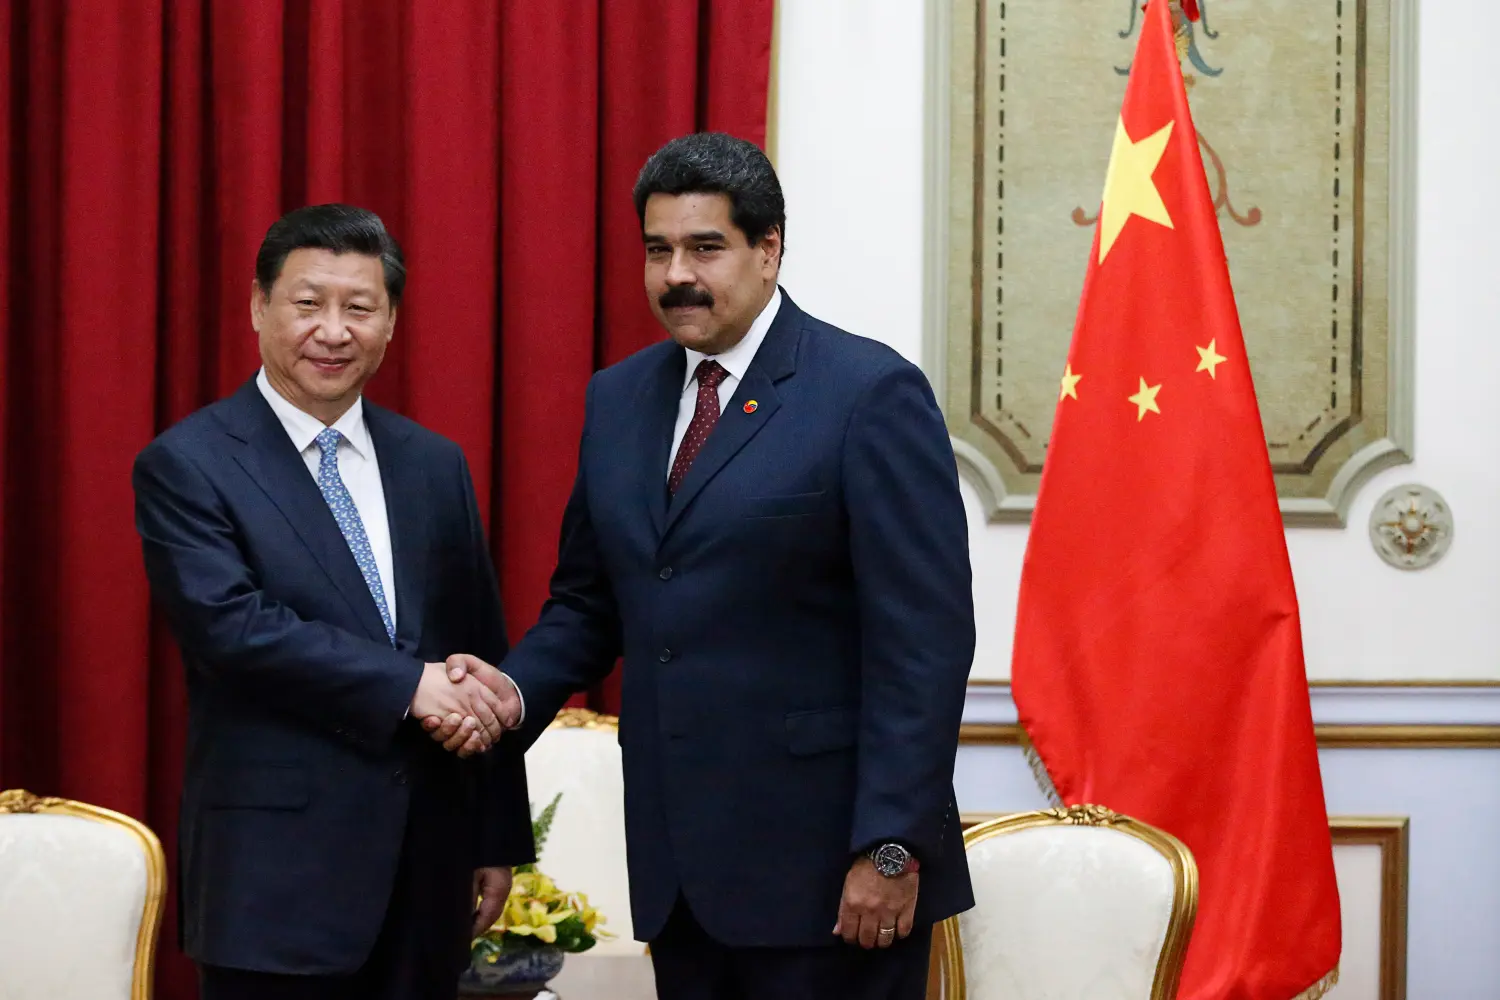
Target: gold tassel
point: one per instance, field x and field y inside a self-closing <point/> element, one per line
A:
<point x="1321" y="987"/>
<point x="1039" y="772"/>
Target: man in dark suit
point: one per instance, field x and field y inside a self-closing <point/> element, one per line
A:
<point x="318" y="559"/>
<point x="767" y="524"/>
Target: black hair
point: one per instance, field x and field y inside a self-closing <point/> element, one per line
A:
<point x="339" y="228"/>
<point x="716" y="163"/>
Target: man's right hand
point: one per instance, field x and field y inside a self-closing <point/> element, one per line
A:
<point x="468" y="706"/>
<point x="465" y="668"/>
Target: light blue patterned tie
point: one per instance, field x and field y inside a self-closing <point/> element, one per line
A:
<point x="347" y="515"/>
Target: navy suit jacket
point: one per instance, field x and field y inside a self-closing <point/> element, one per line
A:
<point x="797" y="628"/>
<point x="300" y="766"/>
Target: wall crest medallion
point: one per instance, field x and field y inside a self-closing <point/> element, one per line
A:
<point x="1411" y="526"/>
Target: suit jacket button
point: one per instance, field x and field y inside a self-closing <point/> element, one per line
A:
<point x="399" y="777"/>
<point x="666" y="656"/>
<point x="666" y="573"/>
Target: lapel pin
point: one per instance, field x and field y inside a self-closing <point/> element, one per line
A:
<point x="751" y="406"/>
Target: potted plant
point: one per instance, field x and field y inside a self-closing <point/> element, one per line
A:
<point x="539" y="925"/>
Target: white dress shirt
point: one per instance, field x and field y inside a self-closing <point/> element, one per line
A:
<point x="357" y="467"/>
<point x="736" y="361"/>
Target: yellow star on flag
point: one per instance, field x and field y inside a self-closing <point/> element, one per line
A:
<point x="1069" y="385"/>
<point x="1145" y="400"/>
<point x="1209" y="359"/>
<point x="1128" y="188"/>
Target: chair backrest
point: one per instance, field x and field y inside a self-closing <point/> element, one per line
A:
<point x="81" y="893"/>
<point x="1078" y="903"/>
<point x="579" y="756"/>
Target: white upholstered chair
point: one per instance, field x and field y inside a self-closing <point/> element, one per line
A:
<point x="1070" y="904"/>
<point x="579" y="756"/>
<point x="81" y="893"/>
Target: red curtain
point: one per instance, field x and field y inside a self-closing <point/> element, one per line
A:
<point x="147" y="146"/>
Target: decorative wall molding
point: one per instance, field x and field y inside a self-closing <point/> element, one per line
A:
<point x="986" y="352"/>
<point x="1364" y="717"/>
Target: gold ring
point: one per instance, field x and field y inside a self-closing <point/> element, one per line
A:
<point x="887" y="930"/>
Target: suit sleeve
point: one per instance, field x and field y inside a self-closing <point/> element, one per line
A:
<point x="577" y="639"/>
<point x="357" y="688"/>
<point x="908" y="538"/>
<point x="505" y="806"/>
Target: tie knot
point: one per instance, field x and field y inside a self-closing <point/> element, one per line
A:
<point x="710" y="373"/>
<point x="328" y="440"/>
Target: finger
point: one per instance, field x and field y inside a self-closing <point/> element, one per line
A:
<point x="446" y="726"/>
<point x="487" y="913"/>
<point x="846" y="924"/>
<point x="488" y="713"/>
<point x="907" y="919"/>
<point x="476" y="744"/>
<point x="461" y="737"/>
<point x="882" y="923"/>
<point x="869" y="925"/>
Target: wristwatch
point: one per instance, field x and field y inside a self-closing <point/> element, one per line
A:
<point x="892" y="860"/>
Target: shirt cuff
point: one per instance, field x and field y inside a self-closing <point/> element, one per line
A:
<point x="519" y="697"/>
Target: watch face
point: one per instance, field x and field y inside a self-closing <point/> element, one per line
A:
<point x="890" y="859"/>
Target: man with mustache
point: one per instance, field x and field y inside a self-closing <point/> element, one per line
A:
<point x="319" y="558"/>
<point x="766" y="523"/>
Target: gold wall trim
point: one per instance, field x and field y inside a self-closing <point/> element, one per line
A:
<point x="996" y="682"/>
<point x="1392" y="834"/>
<point x="1330" y="736"/>
<point x="773" y="90"/>
<point x="17" y="801"/>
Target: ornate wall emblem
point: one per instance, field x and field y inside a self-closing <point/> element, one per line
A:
<point x="1411" y="526"/>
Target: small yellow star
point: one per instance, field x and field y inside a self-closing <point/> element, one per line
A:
<point x="1145" y="400"/>
<point x="1069" y="385"/>
<point x="1128" y="188"/>
<point x="1209" y="359"/>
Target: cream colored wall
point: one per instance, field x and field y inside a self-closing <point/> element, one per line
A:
<point x="850" y="135"/>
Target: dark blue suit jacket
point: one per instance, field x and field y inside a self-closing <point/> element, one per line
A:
<point x="300" y="766"/>
<point x="797" y="628"/>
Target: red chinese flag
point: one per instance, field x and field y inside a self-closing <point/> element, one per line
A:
<point x="1158" y="654"/>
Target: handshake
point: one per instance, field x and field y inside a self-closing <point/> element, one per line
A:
<point x="466" y="704"/>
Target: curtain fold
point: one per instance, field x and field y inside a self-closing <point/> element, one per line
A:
<point x="146" y="147"/>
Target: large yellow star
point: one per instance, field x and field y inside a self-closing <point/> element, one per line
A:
<point x="1128" y="188"/>
<point x="1145" y="400"/>
<point x="1069" y="385"/>
<point x="1209" y="360"/>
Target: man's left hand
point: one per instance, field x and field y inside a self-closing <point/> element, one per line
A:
<point x="491" y="887"/>
<point x="873" y="903"/>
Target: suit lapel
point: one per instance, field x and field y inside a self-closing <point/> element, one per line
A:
<point x="407" y="502"/>
<point x="774" y="360"/>
<point x="272" y="462"/>
<point x="660" y="397"/>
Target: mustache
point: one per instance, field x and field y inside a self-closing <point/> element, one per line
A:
<point x="685" y="295"/>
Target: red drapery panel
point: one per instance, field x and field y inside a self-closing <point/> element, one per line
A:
<point x="148" y="144"/>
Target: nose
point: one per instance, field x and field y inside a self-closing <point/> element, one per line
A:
<point x="678" y="271"/>
<point x="331" y="328"/>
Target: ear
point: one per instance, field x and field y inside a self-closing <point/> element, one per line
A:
<point x="259" y="302"/>
<point x="390" y="325"/>
<point x="770" y="245"/>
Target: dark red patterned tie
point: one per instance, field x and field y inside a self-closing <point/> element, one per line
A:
<point x="709" y="374"/>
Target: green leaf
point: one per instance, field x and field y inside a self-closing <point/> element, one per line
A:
<point x="542" y="825"/>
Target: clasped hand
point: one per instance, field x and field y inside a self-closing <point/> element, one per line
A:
<point x="465" y="704"/>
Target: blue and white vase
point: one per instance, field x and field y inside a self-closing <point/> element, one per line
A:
<point x="522" y="972"/>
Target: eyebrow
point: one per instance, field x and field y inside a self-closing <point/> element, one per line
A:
<point x="708" y="236"/>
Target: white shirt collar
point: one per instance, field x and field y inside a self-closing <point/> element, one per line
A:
<point x="737" y="359"/>
<point x="302" y="427"/>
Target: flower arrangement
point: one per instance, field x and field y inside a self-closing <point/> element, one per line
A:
<point x="537" y="913"/>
